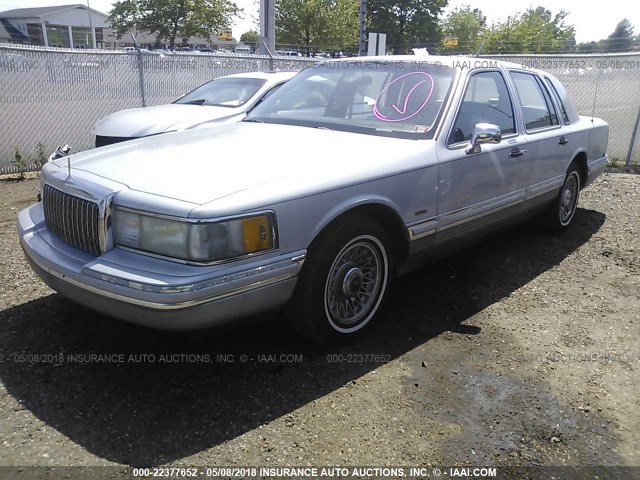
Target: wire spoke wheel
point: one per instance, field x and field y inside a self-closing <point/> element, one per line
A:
<point x="559" y="214"/>
<point x="344" y="281"/>
<point x="355" y="281"/>
<point x="569" y="198"/>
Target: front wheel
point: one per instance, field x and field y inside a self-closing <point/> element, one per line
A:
<point x="343" y="282"/>
<point x="560" y="213"/>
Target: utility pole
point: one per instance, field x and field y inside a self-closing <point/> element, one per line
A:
<point x="267" y="27"/>
<point x="93" y="30"/>
<point x="363" y="27"/>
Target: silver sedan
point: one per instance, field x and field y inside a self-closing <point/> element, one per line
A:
<point x="354" y="171"/>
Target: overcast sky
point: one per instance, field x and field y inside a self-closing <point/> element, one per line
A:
<point x="591" y="22"/>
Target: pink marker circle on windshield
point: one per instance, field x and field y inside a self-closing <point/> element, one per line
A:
<point x="403" y="110"/>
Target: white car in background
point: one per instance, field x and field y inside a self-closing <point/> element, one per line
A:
<point x="226" y="98"/>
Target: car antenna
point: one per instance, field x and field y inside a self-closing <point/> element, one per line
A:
<point x="480" y="49"/>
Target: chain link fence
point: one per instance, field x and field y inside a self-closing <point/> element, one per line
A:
<point x="49" y="97"/>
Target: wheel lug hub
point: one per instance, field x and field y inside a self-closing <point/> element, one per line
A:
<point x="352" y="281"/>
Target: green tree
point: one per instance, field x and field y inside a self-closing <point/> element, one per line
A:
<point x="124" y="16"/>
<point x="589" y="47"/>
<point x="344" y="34"/>
<point x="503" y="37"/>
<point x="324" y="24"/>
<point x="535" y="31"/>
<point x="466" y="24"/>
<point x="171" y="19"/>
<point x="407" y="23"/>
<point x="543" y="32"/>
<point x="622" y="38"/>
<point x="251" y="38"/>
<point x="302" y="22"/>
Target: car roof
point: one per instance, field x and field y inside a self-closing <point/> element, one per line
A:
<point x="275" y="76"/>
<point x="454" y="61"/>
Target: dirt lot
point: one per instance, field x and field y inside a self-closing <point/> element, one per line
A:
<point x="522" y="351"/>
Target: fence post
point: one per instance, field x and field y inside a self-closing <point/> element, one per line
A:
<point x="633" y="139"/>
<point x="141" y="77"/>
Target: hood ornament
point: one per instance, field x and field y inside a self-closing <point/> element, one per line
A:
<point x="60" y="152"/>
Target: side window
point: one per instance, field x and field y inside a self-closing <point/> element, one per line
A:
<point x="485" y="100"/>
<point x="556" y="95"/>
<point x="537" y="107"/>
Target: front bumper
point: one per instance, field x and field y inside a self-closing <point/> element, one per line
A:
<point x="155" y="292"/>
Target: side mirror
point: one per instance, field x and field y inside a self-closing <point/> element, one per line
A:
<point x="483" y="133"/>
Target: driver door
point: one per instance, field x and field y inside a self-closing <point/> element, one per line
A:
<point x="472" y="186"/>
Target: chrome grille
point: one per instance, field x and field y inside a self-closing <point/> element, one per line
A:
<point x="73" y="219"/>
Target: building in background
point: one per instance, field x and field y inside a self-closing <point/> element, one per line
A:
<point x="151" y="41"/>
<point x="76" y="26"/>
<point x="69" y="26"/>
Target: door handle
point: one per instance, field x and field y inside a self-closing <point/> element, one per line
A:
<point x="517" y="152"/>
<point x="563" y="141"/>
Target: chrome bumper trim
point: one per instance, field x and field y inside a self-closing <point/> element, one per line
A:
<point x="192" y="287"/>
<point x="175" y="305"/>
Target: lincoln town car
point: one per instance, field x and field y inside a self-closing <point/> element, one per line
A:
<point x="351" y="173"/>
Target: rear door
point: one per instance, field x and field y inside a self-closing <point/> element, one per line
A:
<point x="548" y="141"/>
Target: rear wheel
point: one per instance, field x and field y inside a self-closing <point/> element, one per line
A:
<point x="560" y="213"/>
<point x="343" y="282"/>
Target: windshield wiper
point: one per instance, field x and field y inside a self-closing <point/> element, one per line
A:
<point x="199" y="101"/>
<point x="252" y="120"/>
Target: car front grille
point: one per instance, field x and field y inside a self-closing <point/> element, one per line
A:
<point x="73" y="219"/>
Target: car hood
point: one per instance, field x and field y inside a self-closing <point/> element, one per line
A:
<point x="140" y="122"/>
<point x="197" y="167"/>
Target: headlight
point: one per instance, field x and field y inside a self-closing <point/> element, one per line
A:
<point x="197" y="242"/>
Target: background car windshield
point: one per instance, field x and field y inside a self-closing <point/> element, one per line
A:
<point x="224" y="92"/>
<point x="385" y="98"/>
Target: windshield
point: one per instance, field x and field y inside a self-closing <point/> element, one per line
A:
<point x="391" y="98"/>
<point x="224" y="92"/>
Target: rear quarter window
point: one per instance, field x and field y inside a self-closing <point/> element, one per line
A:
<point x="537" y="107"/>
<point x="558" y="99"/>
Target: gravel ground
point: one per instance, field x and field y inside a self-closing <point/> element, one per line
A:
<point x="521" y="351"/>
